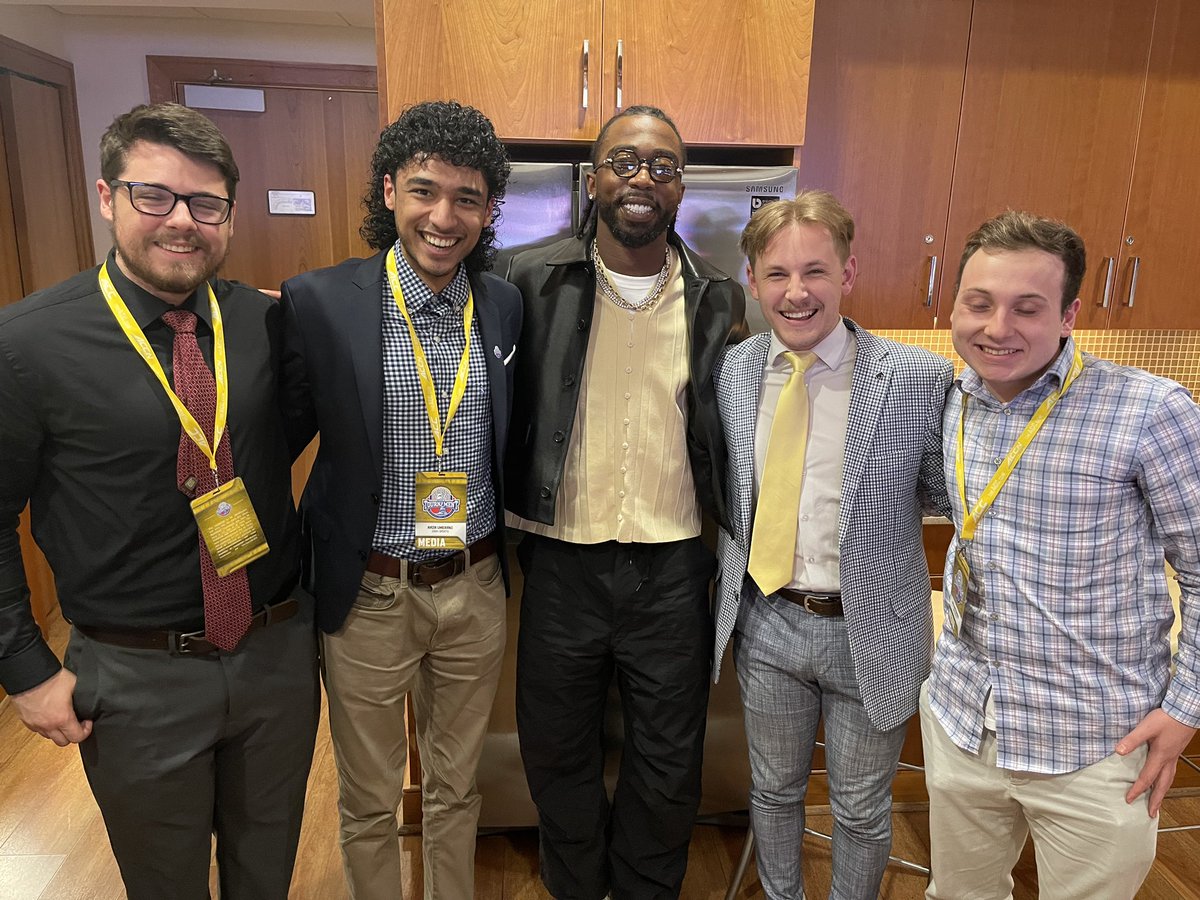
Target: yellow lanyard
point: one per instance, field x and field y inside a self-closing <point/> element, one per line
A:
<point x="1001" y="476"/>
<point x="423" y="371"/>
<point x="142" y="346"/>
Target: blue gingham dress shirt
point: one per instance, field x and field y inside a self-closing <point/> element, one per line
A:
<point x="408" y="446"/>
<point x="1068" y="616"/>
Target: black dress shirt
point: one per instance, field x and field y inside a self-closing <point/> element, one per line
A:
<point x="89" y="438"/>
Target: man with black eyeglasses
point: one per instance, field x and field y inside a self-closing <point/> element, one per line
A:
<point x="141" y="424"/>
<point x="615" y="450"/>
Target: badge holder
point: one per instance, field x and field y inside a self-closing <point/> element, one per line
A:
<point x="960" y="578"/>
<point x="230" y="527"/>
<point x="441" y="512"/>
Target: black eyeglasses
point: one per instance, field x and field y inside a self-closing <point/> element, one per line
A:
<point x="626" y="164"/>
<point x="156" y="200"/>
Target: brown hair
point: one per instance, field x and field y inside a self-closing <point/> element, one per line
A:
<point x="171" y="125"/>
<point x="808" y="208"/>
<point x="1014" y="230"/>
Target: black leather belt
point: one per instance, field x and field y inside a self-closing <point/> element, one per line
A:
<point x="817" y="604"/>
<point x="430" y="573"/>
<point x="181" y="643"/>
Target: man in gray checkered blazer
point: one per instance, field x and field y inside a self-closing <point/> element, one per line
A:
<point x="844" y="630"/>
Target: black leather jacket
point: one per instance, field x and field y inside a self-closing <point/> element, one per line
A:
<point x="558" y="285"/>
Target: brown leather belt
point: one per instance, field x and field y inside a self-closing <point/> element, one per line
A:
<point x="180" y="643"/>
<point x="430" y="573"/>
<point x="817" y="604"/>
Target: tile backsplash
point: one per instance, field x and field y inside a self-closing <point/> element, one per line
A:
<point x="1173" y="354"/>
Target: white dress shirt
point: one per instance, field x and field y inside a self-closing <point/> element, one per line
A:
<point x="828" y="381"/>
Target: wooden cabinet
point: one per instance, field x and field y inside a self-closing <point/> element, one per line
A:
<point x="728" y="72"/>
<point x="885" y="93"/>
<point x="1159" y="242"/>
<point x="1049" y="123"/>
<point x="1090" y="112"/>
<point x="520" y="61"/>
<point x="929" y="116"/>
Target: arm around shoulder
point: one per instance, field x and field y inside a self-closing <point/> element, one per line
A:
<point x="295" y="394"/>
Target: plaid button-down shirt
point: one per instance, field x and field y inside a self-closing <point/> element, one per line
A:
<point x="1068" y="616"/>
<point x="408" y="446"/>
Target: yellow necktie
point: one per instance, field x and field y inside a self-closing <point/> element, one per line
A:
<point x="773" y="545"/>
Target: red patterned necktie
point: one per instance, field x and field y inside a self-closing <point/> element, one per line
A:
<point x="226" y="600"/>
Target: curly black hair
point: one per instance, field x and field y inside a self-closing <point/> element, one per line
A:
<point x="456" y="134"/>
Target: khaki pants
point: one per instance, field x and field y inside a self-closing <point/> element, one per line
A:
<point x="1090" y="844"/>
<point x="444" y="645"/>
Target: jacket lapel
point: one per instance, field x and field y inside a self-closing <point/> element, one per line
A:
<point x="869" y="387"/>
<point x="495" y="352"/>
<point x="747" y="382"/>
<point x="364" y="335"/>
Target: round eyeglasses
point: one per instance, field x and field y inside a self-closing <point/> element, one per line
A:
<point x="626" y="164"/>
<point x="156" y="200"/>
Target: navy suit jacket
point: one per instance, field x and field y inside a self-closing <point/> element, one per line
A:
<point x="892" y="470"/>
<point x="333" y="383"/>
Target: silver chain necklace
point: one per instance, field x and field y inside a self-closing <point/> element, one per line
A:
<point x="614" y="295"/>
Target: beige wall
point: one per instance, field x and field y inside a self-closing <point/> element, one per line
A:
<point x="109" y="56"/>
<point x="34" y="26"/>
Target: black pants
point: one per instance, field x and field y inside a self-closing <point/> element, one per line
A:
<point x="641" y="611"/>
<point x="185" y="747"/>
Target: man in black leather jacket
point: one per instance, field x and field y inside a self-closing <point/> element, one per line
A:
<point x="615" y="448"/>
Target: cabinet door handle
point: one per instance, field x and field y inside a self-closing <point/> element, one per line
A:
<point x="1137" y="266"/>
<point x="1111" y="262"/>
<point x="932" y="281"/>
<point x="584" y="104"/>
<point x="620" y="73"/>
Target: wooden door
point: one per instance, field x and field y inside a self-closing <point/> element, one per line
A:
<point x="727" y="71"/>
<point x="44" y="202"/>
<point x="305" y="140"/>
<point x="317" y="132"/>
<point x="11" y="289"/>
<point x="1161" y="224"/>
<point x="521" y="62"/>
<point x="1049" y="123"/>
<point x="883" y="106"/>
<point x="45" y="197"/>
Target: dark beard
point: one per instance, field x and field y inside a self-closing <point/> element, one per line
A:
<point x="638" y="236"/>
<point x="181" y="279"/>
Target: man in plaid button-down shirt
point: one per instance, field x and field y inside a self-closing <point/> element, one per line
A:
<point x="1052" y="708"/>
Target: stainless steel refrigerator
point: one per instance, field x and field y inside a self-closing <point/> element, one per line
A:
<point x="543" y="204"/>
<point x="545" y="200"/>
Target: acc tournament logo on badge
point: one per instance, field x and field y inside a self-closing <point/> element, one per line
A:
<point x="441" y="503"/>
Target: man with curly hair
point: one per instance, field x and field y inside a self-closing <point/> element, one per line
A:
<point x="403" y="363"/>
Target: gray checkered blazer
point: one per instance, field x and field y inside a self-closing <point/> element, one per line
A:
<point x="892" y="472"/>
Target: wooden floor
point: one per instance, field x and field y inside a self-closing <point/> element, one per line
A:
<point x="53" y="845"/>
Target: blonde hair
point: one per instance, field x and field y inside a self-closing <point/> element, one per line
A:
<point x="808" y="208"/>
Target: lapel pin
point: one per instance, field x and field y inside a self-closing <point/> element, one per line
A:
<point x="499" y="355"/>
